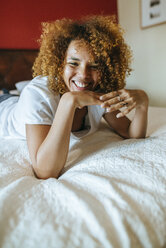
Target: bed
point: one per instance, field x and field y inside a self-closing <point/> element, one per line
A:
<point x="111" y="193"/>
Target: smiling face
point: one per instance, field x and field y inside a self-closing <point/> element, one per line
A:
<point x="80" y="72"/>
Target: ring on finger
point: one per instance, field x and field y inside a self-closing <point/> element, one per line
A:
<point x="124" y="104"/>
<point x="119" y="99"/>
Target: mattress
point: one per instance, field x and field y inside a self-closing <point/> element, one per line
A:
<point x="111" y="193"/>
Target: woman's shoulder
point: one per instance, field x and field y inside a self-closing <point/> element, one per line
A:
<point x="37" y="103"/>
<point x="38" y="82"/>
<point x="37" y="93"/>
<point x="39" y="86"/>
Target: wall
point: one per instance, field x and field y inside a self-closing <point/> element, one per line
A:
<point x="20" y="19"/>
<point x="149" y="49"/>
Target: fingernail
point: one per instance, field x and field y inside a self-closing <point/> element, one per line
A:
<point x="118" y="115"/>
<point x="101" y="97"/>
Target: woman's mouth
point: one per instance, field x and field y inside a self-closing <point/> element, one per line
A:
<point x="81" y="85"/>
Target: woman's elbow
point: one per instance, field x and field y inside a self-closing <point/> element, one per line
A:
<point x="45" y="174"/>
<point x="142" y="136"/>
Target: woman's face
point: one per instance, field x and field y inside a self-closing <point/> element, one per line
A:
<point x="81" y="72"/>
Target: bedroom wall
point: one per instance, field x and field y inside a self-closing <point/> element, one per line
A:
<point x="20" y="20"/>
<point x="149" y="49"/>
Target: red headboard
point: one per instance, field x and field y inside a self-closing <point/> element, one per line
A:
<point x="15" y="65"/>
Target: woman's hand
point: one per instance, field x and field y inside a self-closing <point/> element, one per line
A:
<point x="81" y="99"/>
<point x="129" y="99"/>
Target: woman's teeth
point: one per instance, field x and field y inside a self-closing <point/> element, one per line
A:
<point x="81" y="85"/>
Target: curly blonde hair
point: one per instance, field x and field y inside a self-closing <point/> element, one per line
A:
<point x="105" y="38"/>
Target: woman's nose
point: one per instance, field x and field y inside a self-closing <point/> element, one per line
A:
<point x="84" y="72"/>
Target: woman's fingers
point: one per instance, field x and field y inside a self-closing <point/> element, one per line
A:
<point x="117" y="99"/>
<point x="118" y="103"/>
<point x="129" y="99"/>
<point x="114" y="97"/>
<point x="109" y="96"/>
<point x="112" y="101"/>
<point x="126" y="111"/>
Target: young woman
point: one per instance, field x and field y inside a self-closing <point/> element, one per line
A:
<point x="79" y="76"/>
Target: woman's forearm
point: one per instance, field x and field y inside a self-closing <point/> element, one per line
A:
<point x="138" y="125"/>
<point x="52" y="153"/>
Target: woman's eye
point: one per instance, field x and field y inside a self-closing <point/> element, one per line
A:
<point x="73" y="64"/>
<point x="94" y="67"/>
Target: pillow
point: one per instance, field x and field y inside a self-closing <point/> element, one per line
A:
<point x="20" y="85"/>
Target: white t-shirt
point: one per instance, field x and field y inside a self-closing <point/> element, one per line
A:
<point x="37" y="104"/>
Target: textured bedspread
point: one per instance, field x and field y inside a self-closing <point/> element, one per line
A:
<point x="112" y="193"/>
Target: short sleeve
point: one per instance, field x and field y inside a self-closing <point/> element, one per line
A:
<point x="37" y="104"/>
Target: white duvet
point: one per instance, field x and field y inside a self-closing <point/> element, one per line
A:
<point x="112" y="193"/>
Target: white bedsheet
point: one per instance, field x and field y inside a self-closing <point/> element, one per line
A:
<point x="112" y="193"/>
